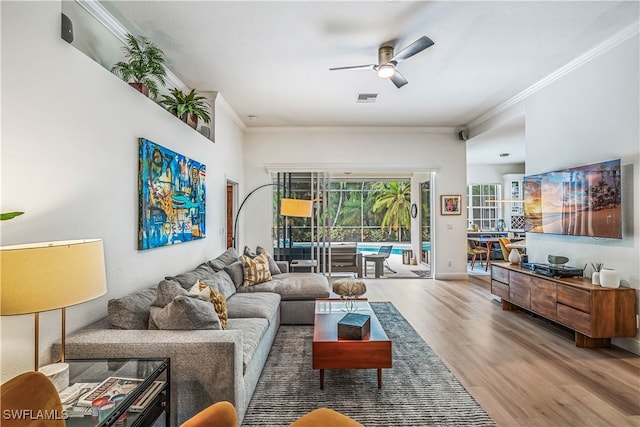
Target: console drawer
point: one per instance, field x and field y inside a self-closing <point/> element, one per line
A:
<point x="573" y="297"/>
<point x="520" y="289"/>
<point x="543" y="298"/>
<point x="575" y="319"/>
<point x="500" y="289"/>
<point x="500" y="274"/>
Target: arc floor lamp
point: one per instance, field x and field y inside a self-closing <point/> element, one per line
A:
<point x="288" y="207"/>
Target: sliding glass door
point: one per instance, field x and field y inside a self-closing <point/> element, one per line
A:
<point x="426" y="221"/>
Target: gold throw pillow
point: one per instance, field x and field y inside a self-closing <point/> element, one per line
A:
<point x="256" y="270"/>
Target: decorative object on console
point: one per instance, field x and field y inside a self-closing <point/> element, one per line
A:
<point x="172" y="195"/>
<point x="288" y="207"/>
<point x="514" y="257"/>
<point x="557" y="260"/>
<point x="47" y="276"/>
<point x="609" y="278"/>
<point x="144" y="66"/>
<point x="595" y="277"/>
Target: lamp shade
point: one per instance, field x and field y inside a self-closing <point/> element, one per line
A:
<point x="295" y="207"/>
<point x="51" y="275"/>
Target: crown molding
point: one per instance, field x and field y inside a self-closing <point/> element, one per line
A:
<point x="350" y="167"/>
<point x="349" y="129"/>
<point x="235" y="118"/>
<point x="102" y="15"/>
<point x="598" y="50"/>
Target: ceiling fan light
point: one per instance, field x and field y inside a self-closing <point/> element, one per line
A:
<point x="385" y="71"/>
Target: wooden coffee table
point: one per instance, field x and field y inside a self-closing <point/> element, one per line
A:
<point x="329" y="352"/>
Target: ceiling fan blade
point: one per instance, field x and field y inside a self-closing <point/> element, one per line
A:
<point x="398" y="79"/>
<point x="414" y="48"/>
<point x="354" y="67"/>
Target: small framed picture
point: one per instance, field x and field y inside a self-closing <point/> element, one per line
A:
<point x="450" y="204"/>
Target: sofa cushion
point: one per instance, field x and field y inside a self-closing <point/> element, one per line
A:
<point x="216" y="298"/>
<point x="273" y="267"/>
<point x="188" y="279"/>
<point x="247" y="252"/>
<point x="221" y="282"/>
<point x="294" y="286"/>
<point x="131" y="311"/>
<point x="256" y="270"/>
<point x="236" y="272"/>
<point x="252" y="332"/>
<point x="256" y="304"/>
<point x="185" y="312"/>
<point x="228" y="257"/>
<point x="166" y="292"/>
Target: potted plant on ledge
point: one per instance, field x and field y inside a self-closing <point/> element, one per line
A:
<point x="144" y="65"/>
<point x="187" y="107"/>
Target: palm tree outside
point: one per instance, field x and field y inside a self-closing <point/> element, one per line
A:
<point x="394" y="199"/>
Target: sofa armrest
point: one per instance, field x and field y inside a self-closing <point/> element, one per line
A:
<point x="204" y="363"/>
<point x="283" y="266"/>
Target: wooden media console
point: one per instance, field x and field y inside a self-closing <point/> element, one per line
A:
<point x="596" y="314"/>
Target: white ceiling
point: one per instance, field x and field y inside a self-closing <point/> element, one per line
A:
<point x="271" y="59"/>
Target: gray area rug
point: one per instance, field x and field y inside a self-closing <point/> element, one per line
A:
<point x="418" y="391"/>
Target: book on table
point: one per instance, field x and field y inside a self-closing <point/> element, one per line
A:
<point x="113" y="386"/>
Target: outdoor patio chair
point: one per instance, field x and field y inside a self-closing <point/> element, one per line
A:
<point x="386" y="251"/>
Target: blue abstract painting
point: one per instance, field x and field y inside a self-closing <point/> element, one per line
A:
<point x="172" y="196"/>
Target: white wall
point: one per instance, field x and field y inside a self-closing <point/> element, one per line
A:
<point x="591" y="115"/>
<point x="70" y="134"/>
<point x="375" y="149"/>
<point x="492" y="174"/>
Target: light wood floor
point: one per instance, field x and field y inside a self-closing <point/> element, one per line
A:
<point x="521" y="369"/>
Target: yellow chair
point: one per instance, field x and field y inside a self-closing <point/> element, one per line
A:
<point x="220" y="414"/>
<point x="474" y="251"/>
<point x="223" y="414"/>
<point x="323" y="417"/>
<point x="504" y="241"/>
<point x="30" y="400"/>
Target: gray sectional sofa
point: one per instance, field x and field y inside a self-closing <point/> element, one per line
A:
<point x="207" y="365"/>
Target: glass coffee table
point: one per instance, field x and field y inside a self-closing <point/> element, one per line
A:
<point x="125" y="392"/>
<point x="331" y="352"/>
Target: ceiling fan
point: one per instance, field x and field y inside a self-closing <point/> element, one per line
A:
<point x="387" y="61"/>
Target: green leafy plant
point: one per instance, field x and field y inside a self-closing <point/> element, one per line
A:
<point x="144" y="64"/>
<point x="180" y="104"/>
<point x="9" y="215"/>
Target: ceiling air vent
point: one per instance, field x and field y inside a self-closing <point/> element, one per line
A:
<point x="367" y="98"/>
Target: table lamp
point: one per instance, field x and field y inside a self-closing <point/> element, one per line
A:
<point x="47" y="276"/>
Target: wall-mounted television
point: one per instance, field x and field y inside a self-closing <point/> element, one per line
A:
<point x="580" y="201"/>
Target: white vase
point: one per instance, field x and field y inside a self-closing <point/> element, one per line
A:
<point x="609" y="278"/>
<point x="514" y="256"/>
<point x="595" y="278"/>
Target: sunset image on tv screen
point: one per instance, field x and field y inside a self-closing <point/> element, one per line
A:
<point x="582" y="201"/>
